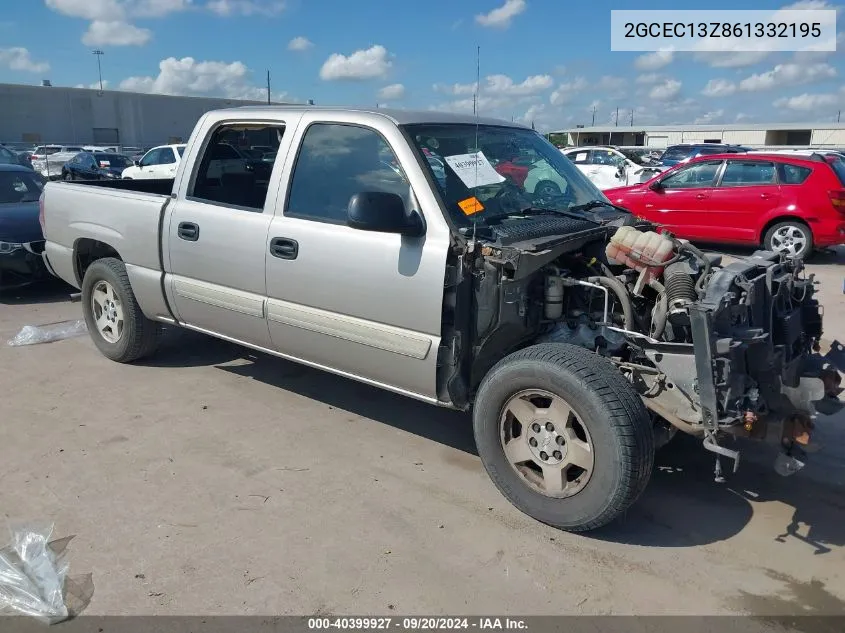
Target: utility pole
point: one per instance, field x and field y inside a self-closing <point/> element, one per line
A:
<point x="268" y="87"/>
<point x="617" y="116"/>
<point x="99" y="54"/>
<point x="838" y="114"/>
<point x="632" y="118"/>
<point x="594" y="116"/>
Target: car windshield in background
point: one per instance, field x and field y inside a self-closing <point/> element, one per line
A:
<point x="485" y="173"/>
<point x="676" y="153"/>
<point x="112" y="160"/>
<point x="19" y="186"/>
<point x="638" y="156"/>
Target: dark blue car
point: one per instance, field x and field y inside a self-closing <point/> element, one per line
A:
<point x="675" y="154"/>
<point x="21" y="237"/>
<point x="95" y="166"/>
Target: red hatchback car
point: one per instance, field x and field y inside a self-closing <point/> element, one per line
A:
<point x="785" y="203"/>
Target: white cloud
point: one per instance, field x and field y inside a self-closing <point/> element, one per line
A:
<point x="300" y="44"/>
<point x="93" y="86"/>
<point x="709" y="117"/>
<point x="737" y="59"/>
<point x="101" y="33"/>
<point x="609" y="82"/>
<point x="666" y="91"/>
<point x="392" y="92"/>
<point x="809" y="102"/>
<point x="501" y="85"/>
<point x="229" y="8"/>
<point x="111" y="20"/>
<point x="534" y="116"/>
<point x="502" y="16"/>
<point x="566" y="92"/>
<point x="653" y="61"/>
<point x="648" y="78"/>
<point x="363" y="64"/>
<point x="785" y="75"/>
<point x="18" y="58"/>
<point x="719" y="88"/>
<point x="188" y="76"/>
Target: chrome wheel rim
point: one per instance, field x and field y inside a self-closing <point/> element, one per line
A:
<point x="108" y="311"/>
<point x="546" y="443"/>
<point x="790" y="240"/>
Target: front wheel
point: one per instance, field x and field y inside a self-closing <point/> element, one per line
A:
<point x="792" y="238"/>
<point x="115" y="322"/>
<point x="564" y="437"/>
<point x="68" y="176"/>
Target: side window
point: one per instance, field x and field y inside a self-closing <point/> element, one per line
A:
<point x="695" y="176"/>
<point x="166" y="156"/>
<point x="151" y="158"/>
<point x="337" y="161"/>
<point x="604" y="157"/>
<point x="225" y="177"/>
<point x="792" y="174"/>
<point x="580" y="158"/>
<point x="745" y="173"/>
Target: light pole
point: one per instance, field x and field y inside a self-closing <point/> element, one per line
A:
<point x="99" y="54"/>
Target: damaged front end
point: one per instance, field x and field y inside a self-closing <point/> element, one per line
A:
<point x="715" y="350"/>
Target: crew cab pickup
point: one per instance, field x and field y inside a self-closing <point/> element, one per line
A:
<point x="580" y="337"/>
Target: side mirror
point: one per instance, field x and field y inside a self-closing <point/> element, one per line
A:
<point x="137" y="163"/>
<point x="656" y="186"/>
<point x="384" y="213"/>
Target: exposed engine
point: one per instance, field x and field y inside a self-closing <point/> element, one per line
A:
<point x="711" y="347"/>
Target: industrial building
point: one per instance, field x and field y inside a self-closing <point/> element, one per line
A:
<point x="759" y="136"/>
<point x="81" y="116"/>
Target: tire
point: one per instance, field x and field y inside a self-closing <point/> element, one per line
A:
<point x="138" y="336"/>
<point x="611" y="415"/>
<point x="67" y="176"/>
<point x="791" y="237"/>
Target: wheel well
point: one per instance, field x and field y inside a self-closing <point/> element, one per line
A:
<point x="86" y="252"/>
<point x="778" y="220"/>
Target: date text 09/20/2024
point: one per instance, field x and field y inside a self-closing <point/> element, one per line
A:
<point x="417" y="623"/>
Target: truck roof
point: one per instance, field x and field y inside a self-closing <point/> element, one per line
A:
<point x="399" y="117"/>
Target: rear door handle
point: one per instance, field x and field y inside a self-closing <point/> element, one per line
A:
<point x="765" y="196"/>
<point x="188" y="231"/>
<point x="700" y="196"/>
<point x="284" y="248"/>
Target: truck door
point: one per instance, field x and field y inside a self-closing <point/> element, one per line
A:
<point x="217" y="238"/>
<point x="361" y="303"/>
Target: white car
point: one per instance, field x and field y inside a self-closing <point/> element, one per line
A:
<point x="162" y="162"/>
<point x="159" y="162"/>
<point x="608" y="167"/>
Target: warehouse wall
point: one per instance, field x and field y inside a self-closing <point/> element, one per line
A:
<point x="70" y="115"/>
<point x="832" y="138"/>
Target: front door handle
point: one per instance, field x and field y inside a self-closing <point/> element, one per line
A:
<point x="188" y="231"/>
<point x="765" y="196"/>
<point x="284" y="248"/>
<point x="700" y="196"/>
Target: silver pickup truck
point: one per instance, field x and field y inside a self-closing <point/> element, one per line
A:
<point x="464" y="262"/>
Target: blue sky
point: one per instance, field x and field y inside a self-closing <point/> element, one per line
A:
<point x="542" y="61"/>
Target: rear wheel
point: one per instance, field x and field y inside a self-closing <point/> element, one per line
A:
<point x="68" y="176"/>
<point x="792" y="238"/>
<point x="115" y="322"/>
<point x="564" y="436"/>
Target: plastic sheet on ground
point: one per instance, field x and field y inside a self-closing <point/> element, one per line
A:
<point x="35" y="334"/>
<point x="32" y="575"/>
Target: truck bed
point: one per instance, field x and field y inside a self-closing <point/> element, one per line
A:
<point x="126" y="215"/>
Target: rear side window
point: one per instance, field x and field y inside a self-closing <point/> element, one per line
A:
<point x="225" y="177"/>
<point x="793" y="174"/>
<point x="839" y="169"/>
<point x="335" y="162"/>
<point x="744" y="173"/>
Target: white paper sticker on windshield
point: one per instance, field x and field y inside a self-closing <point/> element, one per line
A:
<point x="580" y="157"/>
<point x="474" y="170"/>
<point x="104" y="163"/>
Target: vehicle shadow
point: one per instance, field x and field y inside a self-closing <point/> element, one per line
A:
<point x="682" y="506"/>
<point x="50" y="291"/>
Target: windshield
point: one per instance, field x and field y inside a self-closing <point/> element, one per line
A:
<point x="20" y="186"/>
<point x="487" y="172"/>
<point x="638" y="156"/>
<point x="679" y="152"/>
